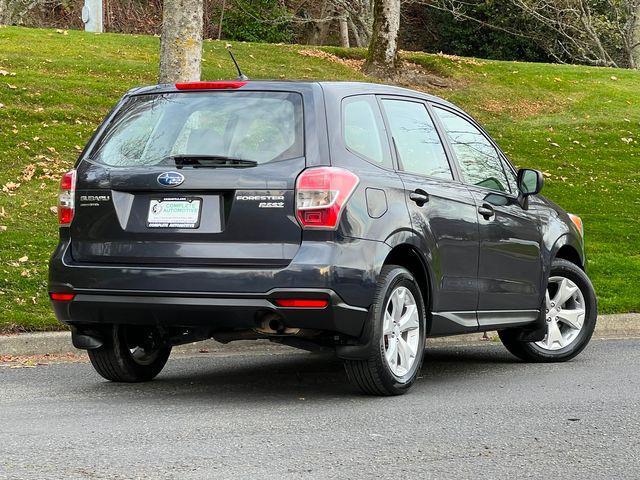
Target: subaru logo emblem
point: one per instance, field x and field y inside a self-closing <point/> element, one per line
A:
<point x="170" y="179"/>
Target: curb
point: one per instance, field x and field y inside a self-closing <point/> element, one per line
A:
<point x="609" y="326"/>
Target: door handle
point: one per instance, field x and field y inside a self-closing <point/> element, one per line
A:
<point x="419" y="196"/>
<point x="486" y="211"/>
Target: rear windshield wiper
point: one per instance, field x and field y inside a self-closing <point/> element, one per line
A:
<point x="210" y="161"/>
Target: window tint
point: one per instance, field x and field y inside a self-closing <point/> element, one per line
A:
<point x="148" y="129"/>
<point x="478" y="159"/>
<point x="417" y="141"/>
<point x="362" y="129"/>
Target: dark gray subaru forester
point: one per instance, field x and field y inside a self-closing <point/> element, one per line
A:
<point x="356" y="217"/>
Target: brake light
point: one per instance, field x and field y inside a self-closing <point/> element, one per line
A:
<point x="62" y="297"/>
<point x="209" y="85"/>
<point x="66" y="198"/>
<point x="301" y="303"/>
<point x="321" y="194"/>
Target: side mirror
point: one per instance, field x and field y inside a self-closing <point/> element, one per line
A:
<point x="530" y="182"/>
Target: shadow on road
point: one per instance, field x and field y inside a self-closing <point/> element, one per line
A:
<point x="292" y="376"/>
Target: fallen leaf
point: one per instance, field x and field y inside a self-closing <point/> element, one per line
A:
<point x="28" y="172"/>
<point x="23" y="259"/>
<point x="10" y="187"/>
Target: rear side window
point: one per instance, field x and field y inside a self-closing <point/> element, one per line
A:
<point x="362" y="129"/>
<point x="416" y="139"/>
<point x="149" y="129"/>
<point x="479" y="161"/>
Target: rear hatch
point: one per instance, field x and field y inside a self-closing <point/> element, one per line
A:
<point x="193" y="178"/>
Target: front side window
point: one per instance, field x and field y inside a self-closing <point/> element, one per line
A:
<point x="416" y="139"/>
<point x="362" y="129"/>
<point x="150" y="129"/>
<point x="511" y="176"/>
<point x="479" y="161"/>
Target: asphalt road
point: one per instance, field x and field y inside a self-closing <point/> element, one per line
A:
<point x="475" y="413"/>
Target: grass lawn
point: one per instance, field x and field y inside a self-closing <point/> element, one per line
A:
<point x="580" y="125"/>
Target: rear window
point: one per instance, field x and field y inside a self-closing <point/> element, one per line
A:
<point x="150" y="129"/>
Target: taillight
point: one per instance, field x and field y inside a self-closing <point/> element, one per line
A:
<point x="66" y="198"/>
<point x="321" y="194"/>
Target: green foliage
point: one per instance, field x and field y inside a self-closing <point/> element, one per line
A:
<point x="580" y="125"/>
<point x="257" y="21"/>
<point x="432" y="30"/>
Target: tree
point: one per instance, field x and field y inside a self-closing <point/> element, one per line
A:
<point x="354" y="19"/>
<point x="13" y="12"/>
<point x="382" y="58"/>
<point x="181" y="41"/>
<point x="594" y="32"/>
<point x="636" y="37"/>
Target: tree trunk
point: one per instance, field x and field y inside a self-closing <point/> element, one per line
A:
<point x="4" y="16"/>
<point x="356" y="34"/>
<point x="181" y="41"/>
<point x="344" y="32"/>
<point x="635" y="45"/>
<point x="382" y="58"/>
<point x="361" y="28"/>
<point x="319" y="27"/>
<point x="224" y="4"/>
<point x="12" y="12"/>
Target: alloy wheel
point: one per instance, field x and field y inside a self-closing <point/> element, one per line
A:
<point x="565" y="313"/>
<point x="401" y="331"/>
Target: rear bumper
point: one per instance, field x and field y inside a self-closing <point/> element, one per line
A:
<point x="216" y="312"/>
<point x="343" y="272"/>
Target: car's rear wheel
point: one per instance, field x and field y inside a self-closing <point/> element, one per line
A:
<point x="130" y="354"/>
<point x="397" y="325"/>
<point x="571" y="313"/>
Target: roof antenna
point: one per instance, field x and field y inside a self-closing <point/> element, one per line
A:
<point x="241" y="76"/>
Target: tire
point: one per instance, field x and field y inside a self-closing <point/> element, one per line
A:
<point x="376" y="375"/>
<point x="549" y="350"/>
<point x="116" y="362"/>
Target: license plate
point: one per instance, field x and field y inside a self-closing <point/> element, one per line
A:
<point x="174" y="213"/>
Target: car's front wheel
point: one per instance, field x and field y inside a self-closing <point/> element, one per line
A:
<point x="130" y="354"/>
<point x="396" y="349"/>
<point x="571" y="313"/>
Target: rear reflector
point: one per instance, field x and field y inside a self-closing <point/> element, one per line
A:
<point x="209" y="85"/>
<point x="302" y="302"/>
<point x="62" y="297"/>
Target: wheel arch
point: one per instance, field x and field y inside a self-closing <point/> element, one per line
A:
<point x="568" y="248"/>
<point x="407" y="254"/>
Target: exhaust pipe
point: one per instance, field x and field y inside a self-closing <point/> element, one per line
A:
<point x="272" y="324"/>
